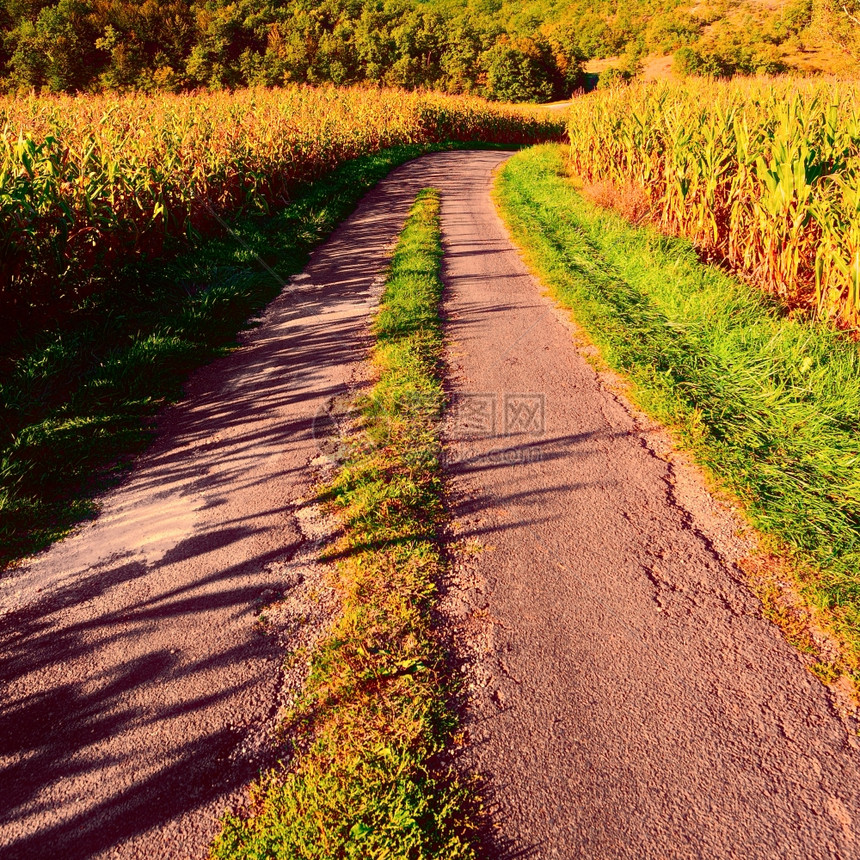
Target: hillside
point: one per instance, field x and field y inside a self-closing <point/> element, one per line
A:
<point x="518" y="51"/>
<point x="737" y="38"/>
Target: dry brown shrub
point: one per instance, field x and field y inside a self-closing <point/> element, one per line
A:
<point x="629" y="199"/>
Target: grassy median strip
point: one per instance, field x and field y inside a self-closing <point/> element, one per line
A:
<point x="372" y="782"/>
<point x="768" y="404"/>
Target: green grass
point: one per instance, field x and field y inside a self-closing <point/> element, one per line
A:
<point x="372" y="782"/>
<point x="76" y="404"/>
<point x="768" y="404"/>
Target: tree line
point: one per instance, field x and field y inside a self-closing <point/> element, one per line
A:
<point x="517" y="50"/>
<point x="481" y="46"/>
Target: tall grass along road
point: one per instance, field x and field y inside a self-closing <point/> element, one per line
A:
<point x="143" y="666"/>
<point x="627" y="697"/>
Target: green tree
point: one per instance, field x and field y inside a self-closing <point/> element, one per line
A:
<point x="518" y="71"/>
<point x="58" y="50"/>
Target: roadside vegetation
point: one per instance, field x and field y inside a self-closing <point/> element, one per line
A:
<point x="144" y="233"/>
<point x="767" y="402"/>
<point x="87" y="184"/>
<point x="763" y="175"/>
<point x="368" y="777"/>
<point x="79" y="401"/>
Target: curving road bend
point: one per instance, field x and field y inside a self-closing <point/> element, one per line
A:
<point x="627" y="699"/>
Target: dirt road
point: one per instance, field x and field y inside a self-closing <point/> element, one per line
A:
<point x="138" y="687"/>
<point x="627" y="699"/>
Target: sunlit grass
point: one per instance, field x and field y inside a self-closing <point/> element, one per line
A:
<point x="770" y="405"/>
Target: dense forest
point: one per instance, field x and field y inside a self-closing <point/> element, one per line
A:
<point x="521" y="50"/>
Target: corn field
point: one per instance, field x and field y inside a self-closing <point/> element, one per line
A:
<point x="766" y="174"/>
<point x="87" y="183"/>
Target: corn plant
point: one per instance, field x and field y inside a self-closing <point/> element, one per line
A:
<point x="89" y="182"/>
<point x="764" y="173"/>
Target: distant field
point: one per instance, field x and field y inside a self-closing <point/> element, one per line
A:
<point x="740" y="37"/>
<point x="656" y="67"/>
<point x="812" y="60"/>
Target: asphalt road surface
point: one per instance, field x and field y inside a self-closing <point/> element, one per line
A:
<point x="627" y="699"/>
